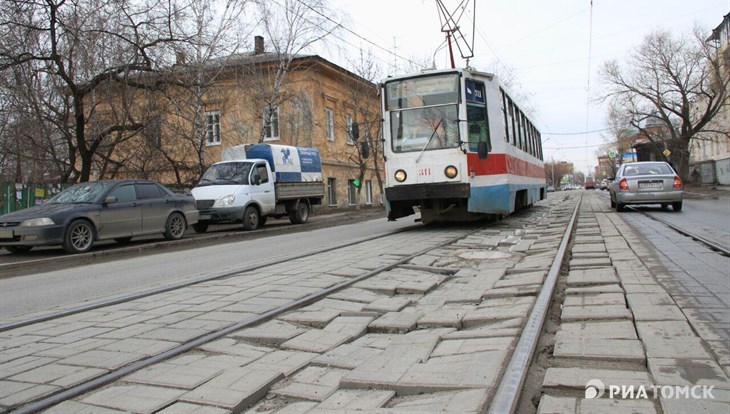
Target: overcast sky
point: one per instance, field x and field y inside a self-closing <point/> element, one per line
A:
<point x="545" y="42"/>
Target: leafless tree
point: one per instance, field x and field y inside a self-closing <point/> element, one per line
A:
<point x="673" y="81"/>
<point x="618" y="139"/>
<point x="86" y="49"/>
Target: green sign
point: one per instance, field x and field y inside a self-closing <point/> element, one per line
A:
<point x="612" y="154"/>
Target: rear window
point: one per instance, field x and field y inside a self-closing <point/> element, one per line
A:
<point x="147" y="191"/>
<point x="654" y="168"/>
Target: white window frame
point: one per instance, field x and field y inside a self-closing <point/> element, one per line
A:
<point x="271" y="124"/>
<point x="330" y="123"/>
<point x="368" y="192"/>
<point x="348" y="129"/>
<point x="212" y="128"/>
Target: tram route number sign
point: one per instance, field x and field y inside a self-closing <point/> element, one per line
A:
<point x="424" y="171"/>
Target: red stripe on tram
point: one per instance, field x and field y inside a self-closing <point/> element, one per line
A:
<point x="503" y="164"/>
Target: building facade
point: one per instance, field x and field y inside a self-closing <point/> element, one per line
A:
<point x="260" y="97"/>
<point x="710" y="153"/>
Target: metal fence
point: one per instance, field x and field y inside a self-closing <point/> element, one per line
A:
<point x="17" y="196"/>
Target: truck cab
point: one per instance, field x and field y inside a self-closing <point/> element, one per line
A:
<point x="261" y="181"/>
<point x="235" y="191"/>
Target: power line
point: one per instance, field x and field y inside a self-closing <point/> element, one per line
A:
<point x="575" y="133"/>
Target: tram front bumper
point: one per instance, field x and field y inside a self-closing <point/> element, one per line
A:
<point x="400" y="200"/>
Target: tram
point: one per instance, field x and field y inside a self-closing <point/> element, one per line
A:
<point x="457" y="147"/>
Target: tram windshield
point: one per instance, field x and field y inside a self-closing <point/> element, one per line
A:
<point x="423" y="113"/>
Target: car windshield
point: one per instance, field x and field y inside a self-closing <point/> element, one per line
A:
<point x="654" y="168"/>
<point x="80" y="193"/>
<point x="226" y="173"/>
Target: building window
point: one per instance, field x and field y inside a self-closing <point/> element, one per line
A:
<point x="330" y="124"/>
<point x="368" y="192"/>
<point x="332" y="191"/>
<point x="271" y="122"/>
<point x="213" y="128"/>
<point x="348" y="129"/>
<point x="153" y="132"/>
<point x="351" y="193"/>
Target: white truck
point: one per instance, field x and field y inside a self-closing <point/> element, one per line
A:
<point x="257" y="181"/>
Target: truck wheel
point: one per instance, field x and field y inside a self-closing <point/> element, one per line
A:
<point x="79" y="237"/>
<point x="300" y="214"/>
<point x="175" y="227"/>
<point x="251" y="218"/>
<point x="200" y="227"/>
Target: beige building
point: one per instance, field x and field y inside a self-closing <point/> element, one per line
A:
<point x="710" y="155"/>
<point x="260" y="97"/>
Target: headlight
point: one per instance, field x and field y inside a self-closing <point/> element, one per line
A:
<point x="451" y="171"/>
<point x="226" y="201"/>
<point x="44" y="221"/>
<point x="400" y="176"/>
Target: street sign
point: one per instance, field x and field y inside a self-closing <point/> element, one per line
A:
<point x="612" y="154"/>
<point x="666" y="152"/>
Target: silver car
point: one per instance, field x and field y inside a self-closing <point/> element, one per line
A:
<point x="649" y="182"/>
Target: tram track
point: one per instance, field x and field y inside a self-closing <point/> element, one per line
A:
<point x="508" y="390"/>
<point x="694" y="236"/>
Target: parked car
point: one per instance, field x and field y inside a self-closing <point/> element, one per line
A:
<point x="605" y="183"/>
<point x="110" y="209"/>
<point x="647" y="182"/>
<point x="550" y="189"/>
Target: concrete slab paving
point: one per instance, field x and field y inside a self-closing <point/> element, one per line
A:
<point x="174" y="375"/>
<point x="271" y="333"/>
<point x="235" y="389"/>
<point x="316" y="340"/>
<point x="589" y="329"/>
<point x="466" y="402"/>
<point x="396" y="322"/>
<point x="347" y="356"/>
<point x="312" y="383"/>
<point x="689" y="372"/>
<point x="577" y="378"/>
<point x="75" y="407"/>
<point x="601" y="312"/>
<point x="356" y="400"/>
<point x="133" y="398"/>
<point x="599" y="349"/>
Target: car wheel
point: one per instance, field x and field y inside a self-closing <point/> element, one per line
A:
<point x="251" y="218"/>
<point x="300" y="214"/>
<point x="175" y="227"/>
<point x="620" y="207"/>
<point x="200" y="227"/>
<point x="122" y="240"/>
<point x="18" y="249"/>
<point x="79" y="237"/>
<point x="677" y="206"/>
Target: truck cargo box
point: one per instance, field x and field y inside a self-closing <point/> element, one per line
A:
<point x="288" y="163"/>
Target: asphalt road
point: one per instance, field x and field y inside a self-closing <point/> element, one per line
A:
<point x="42" y="292"/>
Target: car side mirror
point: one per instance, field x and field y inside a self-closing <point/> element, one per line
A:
<point x="110" y="200"/>
<point x="482" y="149"/>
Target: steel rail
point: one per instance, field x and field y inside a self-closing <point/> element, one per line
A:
<point x="155" y="291"/>
<point x="708" y="243"/>
<point x="508" y="393"/>
<point x="63" y="395"/>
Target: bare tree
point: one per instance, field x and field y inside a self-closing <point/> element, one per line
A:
<point x="619" y="138"/>
<point x="662" y="81"/>
<point x="85" y="49"/>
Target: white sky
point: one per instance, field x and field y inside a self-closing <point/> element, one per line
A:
<point x="546" y="43"/>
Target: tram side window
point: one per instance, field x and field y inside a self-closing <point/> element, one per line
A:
<point x="505" y="117"/>
<point x="476" y="115"/>
<point x="512" y="123"/>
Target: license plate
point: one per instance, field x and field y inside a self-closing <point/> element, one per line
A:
<point x="6" y="234"/>
<point x="204" y="217"/>
<point x="651" y="185"/>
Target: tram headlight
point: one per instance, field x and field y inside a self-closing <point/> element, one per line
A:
<point x="451" y="171"/>
<point x="400" y="176"/>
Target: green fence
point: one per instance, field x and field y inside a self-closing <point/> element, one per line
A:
<point x="17" y="196"/>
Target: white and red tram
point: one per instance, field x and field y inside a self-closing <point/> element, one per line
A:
<point x="458" y="147"/>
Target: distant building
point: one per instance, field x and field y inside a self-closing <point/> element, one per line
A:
<point x="710" y="153"/>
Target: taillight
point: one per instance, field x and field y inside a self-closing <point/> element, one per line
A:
<point x="623" y="184"/>
<point x="677" y="182"/>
